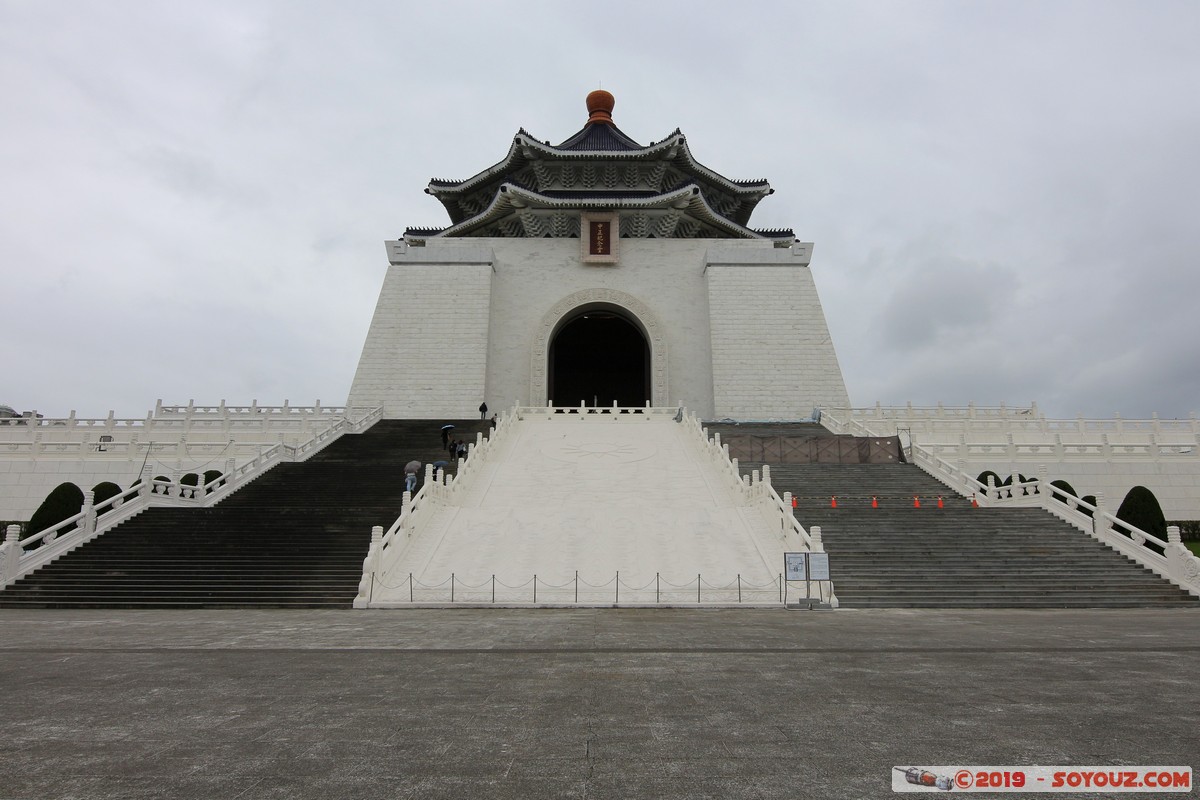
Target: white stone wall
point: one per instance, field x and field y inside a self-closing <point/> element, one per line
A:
<point x="772" y="359"/>
<point x="1095" y="456"/>
<point x="426" y="351"/>
<point x="24" y="483"/>
<point x="772" y="355"/>
<point x="659" y="281"/>
<point x="170" y="441"/>
<point x="1176" y="484"/>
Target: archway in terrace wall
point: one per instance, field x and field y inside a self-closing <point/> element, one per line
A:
<point x="578" y="328"/>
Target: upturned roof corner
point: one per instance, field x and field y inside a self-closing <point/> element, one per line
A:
<point x="660" y="190"/>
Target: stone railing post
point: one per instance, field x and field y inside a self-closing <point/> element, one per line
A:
<point x="376" y="546"/>
<point x="89" y="512"/>
<point x="11" y="551"/>
<point x="991" y="488"/>
<point x="1182" y="567"/>
<point x="766" y="474"/>
<point x="814" y="533"/>
<point x="1102" y="525"/>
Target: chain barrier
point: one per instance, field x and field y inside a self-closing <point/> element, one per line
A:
<point x="656" y="590"/>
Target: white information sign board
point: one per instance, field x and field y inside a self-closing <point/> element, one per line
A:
<point x="794" y="566"/>
<point x="818" y="566"/>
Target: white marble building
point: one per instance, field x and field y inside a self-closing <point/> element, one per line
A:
<point x="594" y="271"/>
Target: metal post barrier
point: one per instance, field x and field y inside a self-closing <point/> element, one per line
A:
<point x="781" y="587"/>
<point x="618" y="588"/>
<point x="410" y="588"/>
<point x="451" y="587"/>
<point x="656" y="587"/>
<point x="535" y="587"/>
<point x="576" y="586"/>
<point x="739" y="587"/>
<point x="493" y="587"/>
<point x="697" y="588"/>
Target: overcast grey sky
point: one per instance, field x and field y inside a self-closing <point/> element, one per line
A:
<point x="1003" y="195"/>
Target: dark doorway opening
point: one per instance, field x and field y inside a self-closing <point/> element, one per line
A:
<point x="597" y="358"/>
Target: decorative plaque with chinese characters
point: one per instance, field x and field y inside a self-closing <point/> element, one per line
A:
<point x="600" y="235"/>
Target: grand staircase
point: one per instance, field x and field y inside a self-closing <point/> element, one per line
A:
<point x="897" y="555"/>
<point x="296" y="537"/>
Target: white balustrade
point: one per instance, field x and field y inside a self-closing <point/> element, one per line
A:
<point x="23" y="556"/>
<point x="387" y="550"/>
<point x="1175" y="562"/>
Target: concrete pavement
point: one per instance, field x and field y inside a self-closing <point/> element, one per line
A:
<point x="586" y="703"/>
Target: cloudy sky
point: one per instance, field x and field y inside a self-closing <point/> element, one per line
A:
<point x="1003" y="195"/>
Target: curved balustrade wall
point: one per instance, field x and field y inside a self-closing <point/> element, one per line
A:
<point x="1096" y="456"/>
<point x="37" y="454"/>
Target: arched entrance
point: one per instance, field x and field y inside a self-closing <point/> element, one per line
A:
<point x="599" y="356"/>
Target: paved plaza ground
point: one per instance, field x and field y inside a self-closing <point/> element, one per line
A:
<point x="579" y="703"/>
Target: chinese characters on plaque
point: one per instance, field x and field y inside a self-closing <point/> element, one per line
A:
<point x="600" y="235"/>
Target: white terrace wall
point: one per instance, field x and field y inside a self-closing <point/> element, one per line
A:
<point x="37" y="455"/>
<point x="1105" y="457"/>
<point x="772" y="356"/>
<point x="735" y="327"/>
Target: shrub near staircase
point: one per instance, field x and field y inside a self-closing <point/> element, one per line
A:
<point x="63" y="502"/>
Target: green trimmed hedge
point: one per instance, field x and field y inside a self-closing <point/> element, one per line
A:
<point x="63" y="502"/>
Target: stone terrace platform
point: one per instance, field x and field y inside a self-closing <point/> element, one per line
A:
<point x="578" y="703"/>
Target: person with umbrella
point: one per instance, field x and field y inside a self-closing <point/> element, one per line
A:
<point x="446" y="434"/>
<point x="410" y="475"/>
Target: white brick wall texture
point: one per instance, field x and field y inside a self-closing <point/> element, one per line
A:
<point x="772" y="356"/>
<point x="426" y="351"/>
<point x="742" y="330"/>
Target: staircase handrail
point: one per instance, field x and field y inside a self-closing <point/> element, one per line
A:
<point x="1021" y="422"/>
<point x="388" y="547"/>
<point x="19" y="557"/>
<point x="1175" y="563"/>
<point x="756" y="489"/>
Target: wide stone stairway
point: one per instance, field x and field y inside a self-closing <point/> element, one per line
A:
<point x="295" y="537"/>
<point x="590" y="509"/>
<point x="957" y="556"/>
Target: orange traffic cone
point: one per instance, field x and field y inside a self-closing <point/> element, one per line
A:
<point x="974" y="501"/>
<point x="916" y="501"/>
<point x="833" y="502"/>
<point x="940" y="502"/>
<point x="874" y="502"/>
<point x="795" y="503"/>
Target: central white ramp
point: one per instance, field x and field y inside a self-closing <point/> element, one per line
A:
<point x="589" y="508"/>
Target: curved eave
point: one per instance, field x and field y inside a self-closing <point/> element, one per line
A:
<point x="526" y="148"/>
<point x="675" y="142"/>
<point x="512" y="197"/>
<point x="523" y="148"/>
